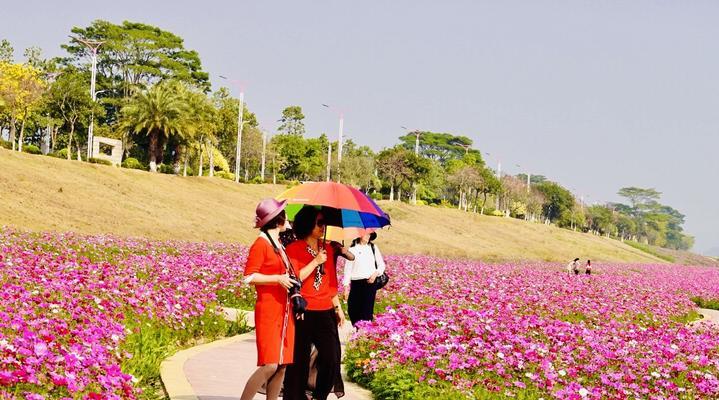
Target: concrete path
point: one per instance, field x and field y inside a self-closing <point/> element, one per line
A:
<point x="711" y="317"/>
<point x="219" y="370"/>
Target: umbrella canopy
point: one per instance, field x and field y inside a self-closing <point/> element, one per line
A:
<point x="348" y="212"/>
<point x="328" y="194"/>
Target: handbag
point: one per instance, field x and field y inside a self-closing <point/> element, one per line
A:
<point x="382" y="280"/>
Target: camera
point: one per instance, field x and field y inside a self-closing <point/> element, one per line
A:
<point x="299" y="304"/>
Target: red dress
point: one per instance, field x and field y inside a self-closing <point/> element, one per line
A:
<point x="275" y="345"/>
<point x="317" y="299"/>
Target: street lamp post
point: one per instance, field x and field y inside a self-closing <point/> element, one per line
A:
<point x="240" y="112"/>
<point x="340" y="142"/>
<point x="417" y="134"/>
<point x="329" y="159"/>
<point x="264" y="149"/>
<point x="93" y="46"/>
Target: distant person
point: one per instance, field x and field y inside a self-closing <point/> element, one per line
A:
<point x="588" y="268"/>
<point x="272" y="277"/>
<point x="573" y="267"/>
<point x="359" y="278"/>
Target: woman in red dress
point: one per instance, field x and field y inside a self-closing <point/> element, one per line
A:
<point x="316" y="269"/>
<point x="274" y="323"/>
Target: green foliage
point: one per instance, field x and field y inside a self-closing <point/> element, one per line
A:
<point x="559" y="202"/>
<point x="31" y="148"/>
<point x="442" y="147"/>
<point x="292" y="121"/>
<point x="712" y="304"/>
<point x="166" y="169"/>
<point x="6" y="51"/>
<point x="225" y="175"/>
<point x="136" y="55"/>
<point x="151" y="342"/>
<point x="133" y="163"/>
<point x="5" y="144"/>
<point x="648" y="249"/>
<point x="102" y="161"/>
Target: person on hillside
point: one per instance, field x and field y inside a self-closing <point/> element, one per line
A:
<point x="268" y="270"/>
<point x="588" y="267"/>
<point x="573" y="267"/>
<point x="359" y="278"/>
<point x="315" y="261"/>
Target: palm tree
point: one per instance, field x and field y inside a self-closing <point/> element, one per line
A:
<point x="161" y="113"/>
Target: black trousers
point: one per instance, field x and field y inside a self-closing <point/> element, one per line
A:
<point x="360" y="304"/>
<point x="319" y="328"/>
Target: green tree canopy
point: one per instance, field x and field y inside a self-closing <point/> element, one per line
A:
<point x="292" y="121"/>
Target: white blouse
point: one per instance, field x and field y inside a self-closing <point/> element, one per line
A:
<point x="363" y="265"/>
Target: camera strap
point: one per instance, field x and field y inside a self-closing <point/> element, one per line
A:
<point x="281" y="251"/>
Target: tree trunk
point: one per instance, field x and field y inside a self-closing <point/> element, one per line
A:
<point x="199" y="168"/>
<point x="79" y="151"/>
<point x="13" y="131"/>
<point x="22" y="131"/>
<point x="399" y="194"/>
<point x="184" y="172"/>
<point x="179" y="149"/>
<point x="211" y="157"/>
<point x="69" y="140"/>
<point x="153" y="151"/>
<point x="391" y="193"/>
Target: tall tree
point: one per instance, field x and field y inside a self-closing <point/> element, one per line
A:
<point x="442" y="146"/>
<point x="7" y="53"/>
<point x="21" y="89"/>
<point x="292" y="121"/>
<point x="69" y="99"/>
<point x="159" y="113"/>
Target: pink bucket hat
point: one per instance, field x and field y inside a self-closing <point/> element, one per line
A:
<point x="268" y="209"/>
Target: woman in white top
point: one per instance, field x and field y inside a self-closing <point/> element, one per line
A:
<point x="359" y="278"/>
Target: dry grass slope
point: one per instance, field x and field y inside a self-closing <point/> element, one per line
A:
<point x="43" y="193"/>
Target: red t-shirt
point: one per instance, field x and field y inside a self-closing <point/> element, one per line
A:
<point x="317" y="299"/>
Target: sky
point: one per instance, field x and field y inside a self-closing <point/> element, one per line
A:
<point x="594" y="94"/>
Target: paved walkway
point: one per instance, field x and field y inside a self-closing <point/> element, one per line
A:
<point x="219" y="370"/>
<point x="711" y="317"/>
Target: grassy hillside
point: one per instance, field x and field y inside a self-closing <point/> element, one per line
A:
<point x="43" y="193"/>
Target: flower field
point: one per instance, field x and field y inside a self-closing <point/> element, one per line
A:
<point x="93" y="317"/>
<point x="460" y="329"/>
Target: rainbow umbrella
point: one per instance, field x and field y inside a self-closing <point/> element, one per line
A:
<point x="328" y="194"/>
<point x="348" y="212"/>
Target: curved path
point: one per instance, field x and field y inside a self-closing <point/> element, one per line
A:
<point x="710" y="317"/>
<point x="219" y="370"/>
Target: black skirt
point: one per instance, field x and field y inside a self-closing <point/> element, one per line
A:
<point x="319" y="328"/>
<point x="360" y="304"/>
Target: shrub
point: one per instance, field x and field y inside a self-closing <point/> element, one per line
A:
<point x="6" y="144"/>
<point x="257" y="180"/>
<point x="31" y="149"/>
<point x="62" y="153"/>
<point x="496" y="213"/>
<point x="132" y="163"/>
<point x="375" y="196"/>
<point x="94" y="160"/>
<point x="166" y="169"/>
<point x="225" y="175"/>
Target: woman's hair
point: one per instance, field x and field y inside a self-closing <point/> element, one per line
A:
<point x="275" y="222"/>
<point x="305" y="221"/>
<point x="589" y="262"/>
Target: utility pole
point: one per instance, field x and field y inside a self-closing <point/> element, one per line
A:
<point x="264" y="149"/>
<point x="340" y="137"/>
<point x="240" y="112"/>
<point x="329" y="159"/>
<point x="93" y="46"/>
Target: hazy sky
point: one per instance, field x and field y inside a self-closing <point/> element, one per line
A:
<point x="594" y="94"/>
